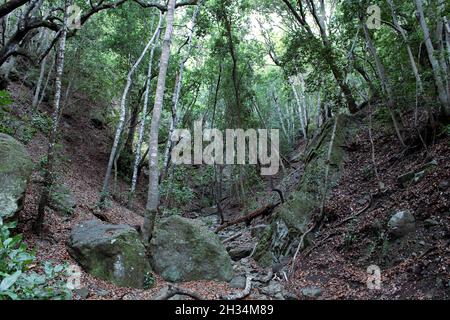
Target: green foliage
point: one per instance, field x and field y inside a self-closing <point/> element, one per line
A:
<point x="17" y="282"/>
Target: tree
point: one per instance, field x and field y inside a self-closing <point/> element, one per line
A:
<point x="114" y="151"/>
<point x="49" y="166"/>
<point x="137" y="159"/>
<point x="153" y="187"/>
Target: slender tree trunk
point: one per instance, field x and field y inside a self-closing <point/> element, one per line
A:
<point x="280" y="114"/>
<point x="137" y="159"/>
<point x="300" y="111"/>
<point x="47" y="80"/>
<point x="384" y="82"/>
<point x="48" y="170"/>
<point x="408" y="47"/>
<point x="114" y="154"/>
<point x="177" y="90"/>
<point x="153" y="188"/>
<point x="37" y="92"/>
<point x="437" y="69"/>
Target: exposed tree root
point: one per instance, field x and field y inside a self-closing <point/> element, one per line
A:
<point x="244" y="293"/>
<point x="170" y="291"/>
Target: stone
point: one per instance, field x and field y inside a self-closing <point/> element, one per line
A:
<point x="401" y="223"/>
<point x="312" y="292"/>
<point x="428" y="223"/>
<point x="62" y="200"/>
<point x="83" y="293"/>
<point x="241" y="251"/>
<point x="294" y="216"/>
<point x="238" y="282"/>
<point x="184" y="250"/>
<point x="443" y="185"/>
<point x="414" y="176"/>
<point x="272" y="289"/>
<point x="15" y="171"/>
<point x="111" y="252"/>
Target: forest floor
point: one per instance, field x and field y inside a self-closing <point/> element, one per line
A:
<point x="415" y="268"/>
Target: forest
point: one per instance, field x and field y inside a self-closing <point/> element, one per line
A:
<point x="224" y="150"/>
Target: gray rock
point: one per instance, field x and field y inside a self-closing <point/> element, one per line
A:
<point x="272" y="289"/>
<point x="443" y="185"/>
<point x="238" y="282"/>
<point x="401" y="223"/>
<point x="111" y="252"/>
<point x="428" y="223"/>
<point x="414" y="176"/>
<point x="185" y="250"/>
<point x="62" y="200"/>
<point x="15" y="172"/>
<point x="312" y="292"/>
<point x="241" y="251"/>
<point x="83" y="293"/>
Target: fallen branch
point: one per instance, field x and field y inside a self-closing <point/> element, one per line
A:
<point x="264" y="211"/>
<point x="237" y="235"/>
<point x="244" y="293"/>
<point x="170" y="291"/>
<point x="300" y="246"/>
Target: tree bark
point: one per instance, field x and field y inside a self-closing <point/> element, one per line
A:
<point x="153" y="187"/>
<point x="177" y="90"/>
<point x="48" y="170"/>
<point x="442" y="91"/>
<point x="114" y="154"/>
<point x="384" y="82"/>
<point x="137" y="159"/>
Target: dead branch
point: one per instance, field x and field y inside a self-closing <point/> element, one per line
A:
<point x="264" y="211"/>
<point x="170" y="291"/>
<point x="234" y="236"/>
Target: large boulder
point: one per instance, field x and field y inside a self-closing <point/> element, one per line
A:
<point x="184" y="250"/>
<point x="111" y="252"/>
<point x="15" y="171"/>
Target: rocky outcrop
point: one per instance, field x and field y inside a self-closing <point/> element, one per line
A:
<point x="111" y="252"/>
<point x="15" y="172"/>
<point x="280" y="237"/>
<point x="183" y="250"/>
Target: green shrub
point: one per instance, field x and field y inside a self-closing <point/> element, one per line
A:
<point x="17" y="282"/>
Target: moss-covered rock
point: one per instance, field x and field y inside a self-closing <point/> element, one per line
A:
<point x="184" y="250"/>
<point x="111" y="252"/>
<point x="15" y="171"/>
<point x="62" y="200"/>
<point x="293" y="216"/>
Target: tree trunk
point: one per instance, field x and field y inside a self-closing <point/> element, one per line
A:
<point x="114" y="154"/>
<point x="442" y="91"/>
<point x="408" y="47"/>
<point x="48" y="170"/>
<point x="153" y="187"/>
<point x="384" y="82"/>
<point x="37" y="92"/>
<point x="300" y="109"/>
<point x="137" y="159"/>
<point x="177" y="90"/>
